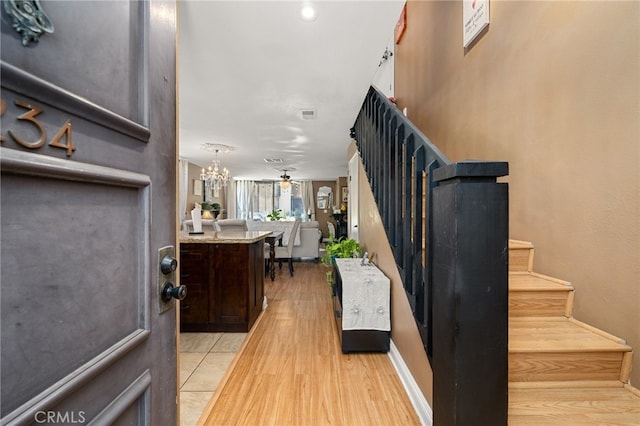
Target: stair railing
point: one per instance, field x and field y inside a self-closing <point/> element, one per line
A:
<point x="447" y="224"/>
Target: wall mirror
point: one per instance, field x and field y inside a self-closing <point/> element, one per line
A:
<point x="324" y="198"/>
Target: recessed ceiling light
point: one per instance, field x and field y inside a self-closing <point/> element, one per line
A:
<point x="308" y="12"/>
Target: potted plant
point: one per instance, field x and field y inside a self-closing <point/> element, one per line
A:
<point x="211" y="208"/>
<point x="275" y="215"/>
<point x="215" y="208"/>
<point x="339" y="248"/>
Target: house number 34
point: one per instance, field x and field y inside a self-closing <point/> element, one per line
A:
<point x="62" y="139"/>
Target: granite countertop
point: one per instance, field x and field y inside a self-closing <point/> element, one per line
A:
<point x="225" y="237"/>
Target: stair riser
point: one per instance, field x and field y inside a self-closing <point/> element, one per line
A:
<point x="552" y="367"/>
<point x="520" y="260"/>
<point x="539" y="304"/>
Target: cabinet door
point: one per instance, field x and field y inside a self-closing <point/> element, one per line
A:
<point x="256" y="288"/>
<point x="194" y="273"/>
<point x="232" y="273"/>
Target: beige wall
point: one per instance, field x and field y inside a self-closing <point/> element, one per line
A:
<point x="194" y="174"/>
<point x="341" y="182"/>
<point x="552" y="88"/>
<point x="404" y="332"/>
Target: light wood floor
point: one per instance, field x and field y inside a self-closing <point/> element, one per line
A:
<point x="291" y="370"/>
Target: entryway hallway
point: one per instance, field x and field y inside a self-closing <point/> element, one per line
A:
<point x="291" y="370"/>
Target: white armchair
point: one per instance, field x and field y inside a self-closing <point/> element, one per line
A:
<point x="231" y="225"/>
<point x="310" y="236"/>
<point x="207" y="225"/>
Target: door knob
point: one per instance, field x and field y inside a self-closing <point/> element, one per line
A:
<point x="170" y="291"/>
<point x="168" y="264"/>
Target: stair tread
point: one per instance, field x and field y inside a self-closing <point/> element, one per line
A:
<point x="533" y="282"/>
<point x="558" y="334"/>
<point x="573" y="405"/>
<point x="519" y="244"/>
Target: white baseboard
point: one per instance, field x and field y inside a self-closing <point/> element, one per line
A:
<point x="419" y="402"/>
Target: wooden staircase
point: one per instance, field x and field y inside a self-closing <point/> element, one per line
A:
<point x="561" y="370"/>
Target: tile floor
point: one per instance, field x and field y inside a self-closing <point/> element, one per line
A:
<point x="204" y="358"/>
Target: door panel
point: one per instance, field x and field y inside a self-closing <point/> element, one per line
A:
<point x="61" y="314"/>
<point x="82" y="338"/>
<point x="103" y="42"/>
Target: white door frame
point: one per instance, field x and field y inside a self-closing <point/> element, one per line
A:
<point x="353" y="197"/>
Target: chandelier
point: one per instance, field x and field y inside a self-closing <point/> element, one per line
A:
<point x="215" y="174"/>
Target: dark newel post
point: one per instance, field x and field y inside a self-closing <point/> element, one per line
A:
<point x="470" y="294"/>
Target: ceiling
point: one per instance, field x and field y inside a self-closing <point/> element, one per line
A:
<point x="248" y="68"/>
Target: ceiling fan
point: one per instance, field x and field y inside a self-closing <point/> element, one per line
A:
<point x="285" y="182"/>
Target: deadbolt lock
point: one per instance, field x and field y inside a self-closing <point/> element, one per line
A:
<point x="168" y="264"/>
<point x="168" y="292"/>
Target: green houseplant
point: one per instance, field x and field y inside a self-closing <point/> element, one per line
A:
<point x="210" y="206"/>
<point x="215" y="208"/>
<point x="275" y="215"/>
<point x="339" y="248"/>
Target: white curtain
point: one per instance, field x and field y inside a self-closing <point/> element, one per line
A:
<point x="244" y="195"/>
<point x="230" y="199"/>
<point x="183" y="188"/>
<point x="308" y="198"/>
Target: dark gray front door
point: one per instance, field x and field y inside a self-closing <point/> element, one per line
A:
<point x="88" y="160"/>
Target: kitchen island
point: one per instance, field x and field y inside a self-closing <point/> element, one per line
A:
<point x="224" y="276"/>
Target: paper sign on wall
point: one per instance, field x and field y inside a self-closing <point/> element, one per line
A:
<point x="475" y="17"/>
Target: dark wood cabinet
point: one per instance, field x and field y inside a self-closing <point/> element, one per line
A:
<point x="194" y="274"/>
<point x="225" y="286"/>
<point x="341" y="225"/>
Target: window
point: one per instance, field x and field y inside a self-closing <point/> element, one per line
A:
<point x="268" y="196"/>
<point x="264" y="200"/>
